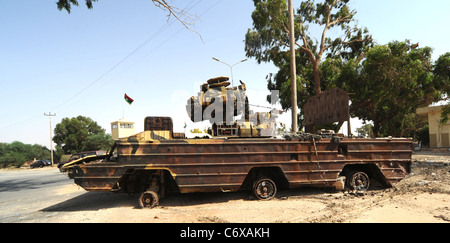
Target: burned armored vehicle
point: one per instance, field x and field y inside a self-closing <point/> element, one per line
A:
<point x="242" y="155"/>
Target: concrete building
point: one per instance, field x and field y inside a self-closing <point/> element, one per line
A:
<point x="122" y="128"/>
<point x="439" y="133"/>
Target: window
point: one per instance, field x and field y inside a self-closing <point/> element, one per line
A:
<point x="126" y="125"/>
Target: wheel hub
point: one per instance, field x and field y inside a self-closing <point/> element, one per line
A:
<point x="265" y="189"/>
<point x="148" y="199"/>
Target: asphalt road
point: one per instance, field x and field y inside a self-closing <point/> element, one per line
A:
<point x="47" y="195"/>
<point x="26" y="193"/>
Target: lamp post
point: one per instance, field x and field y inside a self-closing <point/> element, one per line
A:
<point x="231" y="67"/>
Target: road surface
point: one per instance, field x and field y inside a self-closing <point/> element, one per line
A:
<point x="25" y="193"/>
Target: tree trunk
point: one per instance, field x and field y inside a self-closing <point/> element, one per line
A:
<point x="316" y="73"/>
<point x="376" y="128"/>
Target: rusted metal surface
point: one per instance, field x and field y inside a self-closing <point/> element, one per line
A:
<point x="161" y="127"/>
<point x="206" y="165"/>
<point x="153" y="162"/>
<point x="328" y="107"/>
<point x="158" y="124"/>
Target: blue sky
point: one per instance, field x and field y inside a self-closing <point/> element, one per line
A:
<point x="82" y="63"/>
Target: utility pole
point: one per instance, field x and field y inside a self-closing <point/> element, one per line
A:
<point x="293" y="67"/>
<point x="51" y="141"/>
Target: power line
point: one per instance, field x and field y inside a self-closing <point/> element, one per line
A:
<point x="115" y="66"/>
<point x="159" y="31"/>
<point x="20" y="122"/>
<point x="169" y="38"/>
<point x="155" y="34"/>
<point x="163" y="42"/>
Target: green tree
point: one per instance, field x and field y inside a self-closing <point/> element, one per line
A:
<point x="79" y="134"/>
<point x="390" y="84"/>
<point x="365" y="131"/>
<point x="442" y="73"/>
<point x="17" y="153"/>
<point x="316" y="58"/>
<point x="423" y="135"/>
<point x="99" y="141"/>
<point x="269" y="38"/>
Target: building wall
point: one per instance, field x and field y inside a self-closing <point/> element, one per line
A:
<point x="121" y="129"/>
<point x="439" y="134"/>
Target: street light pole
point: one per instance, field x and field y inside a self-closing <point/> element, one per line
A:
<point x="51" y="141"/>
<point x="231" y="67"/>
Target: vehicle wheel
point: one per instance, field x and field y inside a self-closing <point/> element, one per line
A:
<point x="358" y="181"/>
<point x="148" y="199"/>
<point x="264" y="189"/>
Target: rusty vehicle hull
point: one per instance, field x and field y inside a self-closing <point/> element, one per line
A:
<point x="210" y="165"/>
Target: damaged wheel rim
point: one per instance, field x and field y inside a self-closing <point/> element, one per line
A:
<point x="360" y="181"/>
<point x="148" y="199"/>
<point x="265" y="189"/>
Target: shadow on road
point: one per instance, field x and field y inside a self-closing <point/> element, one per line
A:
<point x="192" y="199"/>
<point x="93" y="201"/>
<point x="26" y="184"/>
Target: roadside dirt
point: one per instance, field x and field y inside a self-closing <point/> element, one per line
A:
<point x="423" y="196"/>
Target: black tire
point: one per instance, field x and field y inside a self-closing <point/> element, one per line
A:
<point x="358" y="181"/>
<point x="148" y="199"/>
<point x="264" y="189"/>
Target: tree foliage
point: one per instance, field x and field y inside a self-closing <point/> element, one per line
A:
<point x="80" y="134"/>
<point x="182" y="16"/>
<point x="387" y="82"/>
<point x="365" y="131"/>
<point x="17" y="153"/>
<point x="269" y="38"/>
<point x="390" y="84"/>
<point x="67" y="4"/>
